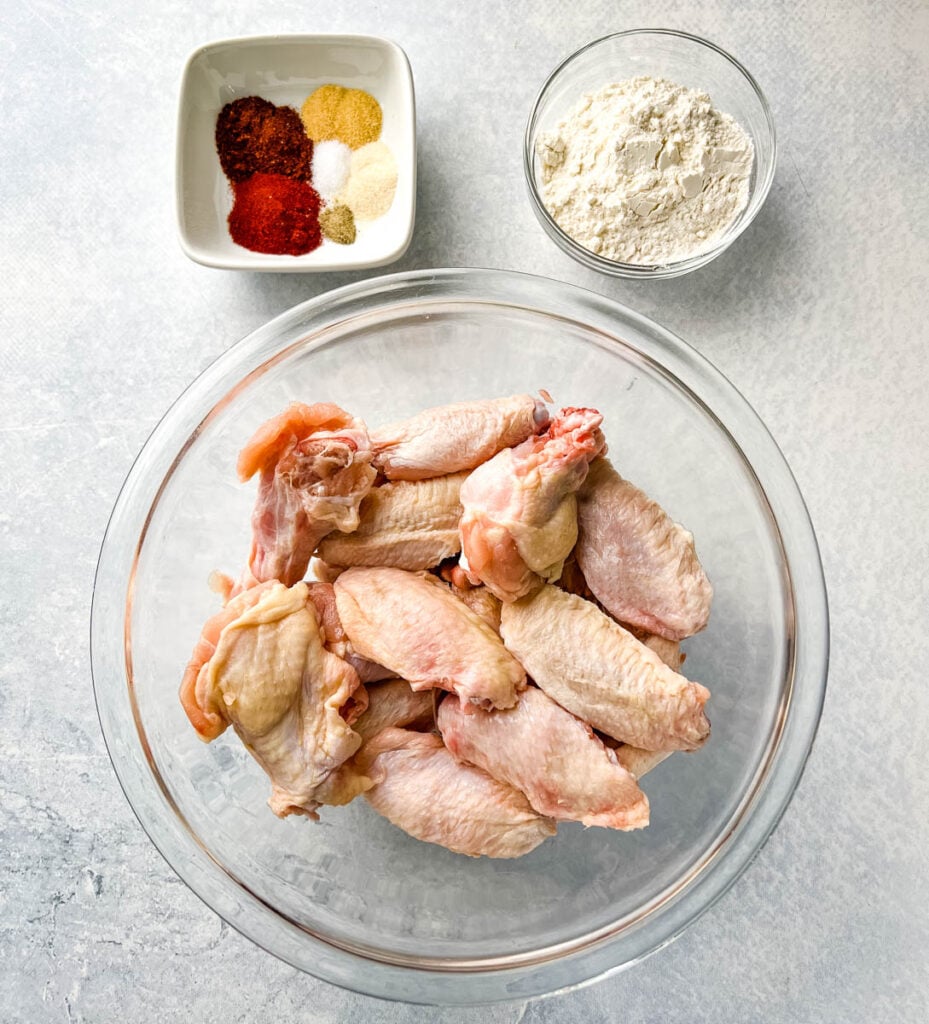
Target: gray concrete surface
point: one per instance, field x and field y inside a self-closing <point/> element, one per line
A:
<point x="818" y="315"/>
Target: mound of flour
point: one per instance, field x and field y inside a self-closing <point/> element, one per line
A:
<point x="645" y="171"/>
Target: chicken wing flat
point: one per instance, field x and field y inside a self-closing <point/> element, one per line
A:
<point x="261" y="667"/>
<point x="520" y="512"/>
<point x="455" y="437"/>
<point x="315" y="466"/>
<point x="642" y="566"/>
<point x="600" y="672"/>
<point x="396" y="704"/>
<point x="423" y="789"/>
<point x="634" y="759"/>
<point x="408" y="525"/>
<point x="551" y="756"/>
<point x="412" y="624"/>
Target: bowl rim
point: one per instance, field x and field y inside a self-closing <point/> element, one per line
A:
<point x="759" y="811"/>
<point x="264" y="262"/>
<point x="617" y="268"/>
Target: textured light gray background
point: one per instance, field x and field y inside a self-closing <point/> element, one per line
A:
<point x="818" y="315"/>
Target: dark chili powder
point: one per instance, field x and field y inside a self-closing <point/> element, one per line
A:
<point x="274" y="214"/>
<point x="255" y="136"/>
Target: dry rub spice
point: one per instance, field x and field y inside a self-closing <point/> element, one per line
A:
<point x="332" y="160"/>
<point x="338" y="224"/>
<point x="253" y="136"/>
<point x="352" y="116"/>
<point x="371" y="183"/>
<point x="275" y="214"/>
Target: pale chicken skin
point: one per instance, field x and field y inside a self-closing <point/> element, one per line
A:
<point x="482" y="602"/>
<point x="200" y="702"/>
<point x="572" y="580"/>
<point x="640" y="564"/>
<point x="540" y="749"/>
<point x="478" y="598"/>
<point x="600" y="672"/>
<point x="424" y="790"/>
<point x="455" y="437"/>
<point x="412" y="624"/>
<point x="668" y="650"/>
<point x="315" y="466"/>
<point x="639" y="762"/>
<point x="409" y="525"/>
<point x="520" y="512"/>
<point x="262" y="668"/>
<point x="324" y="572"/>
<point x="323" y="597"/>
<point x="395" y="704"/>
<point x="634" y="759"/>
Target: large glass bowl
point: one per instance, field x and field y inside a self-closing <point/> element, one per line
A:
<point x="353" y="900"/>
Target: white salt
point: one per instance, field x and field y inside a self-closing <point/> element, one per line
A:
<point x="331" y="163"/>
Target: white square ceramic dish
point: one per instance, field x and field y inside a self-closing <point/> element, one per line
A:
<point x="285" y="69"/>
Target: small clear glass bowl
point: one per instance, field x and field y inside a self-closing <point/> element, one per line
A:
<point x="659" y="53"/>
<point x="353" y="899"/>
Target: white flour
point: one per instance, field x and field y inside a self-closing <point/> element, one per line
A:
<point x="645" y="171"/>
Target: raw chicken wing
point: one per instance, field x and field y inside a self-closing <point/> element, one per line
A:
<point x="408" y="524"/>
<point x="455" y="437"/>
<point x="640" y="564"/>
<point x="668" y="650"/>
<point x="315" y="465"/>
<point x="323" y="597"/>
<point x="572" y="580"/>
<point x="551" y="756"/>
<point x="634" y="759"/>
<point x="599" y="671"/>
<point x="324" y="572"/>
<point x="482" y="602"/>
<point x="412" y="624"/>
<point x="396" y="704"/>
<point x="423" y="789"/>
<point x="200" y="702"/>
<point x="639" y="762"/>
<point x="520" y="512"/>
<point x="261" y="667"/>
<point x="479" y="599"/>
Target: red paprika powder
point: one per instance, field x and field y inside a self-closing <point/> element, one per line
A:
<point x="274" y="214"/>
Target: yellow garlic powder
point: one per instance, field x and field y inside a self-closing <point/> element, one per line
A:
<point x="352" y="116"/>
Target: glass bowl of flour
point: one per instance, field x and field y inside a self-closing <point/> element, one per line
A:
<point x="648" y="153"/>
